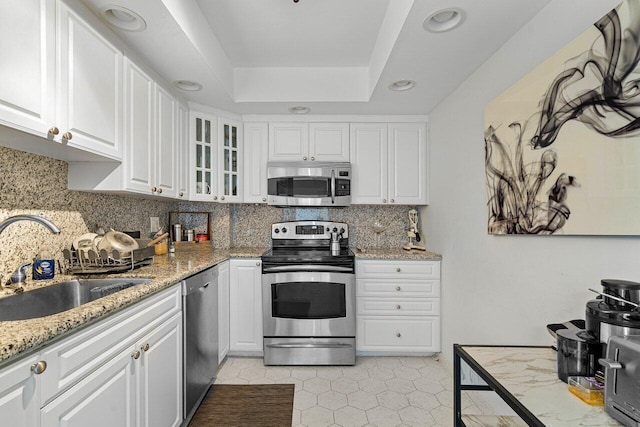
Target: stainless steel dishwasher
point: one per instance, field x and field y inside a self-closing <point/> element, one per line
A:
<point x="200" y="327"/>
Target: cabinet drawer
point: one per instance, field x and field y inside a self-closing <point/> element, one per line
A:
<point x="398" y="306"/>
<point x="397" y="288"/>
<point x="72" y="359"/>
<point x="395" y="334"/>
<point x="398" y="269"/>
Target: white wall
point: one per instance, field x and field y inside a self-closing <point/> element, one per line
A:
<point x="506" y="289"/>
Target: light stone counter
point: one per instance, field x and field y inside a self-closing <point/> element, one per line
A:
<point x="395" y="254"/>
<point x="24" y="336"/>
<point x="529" y="374"/>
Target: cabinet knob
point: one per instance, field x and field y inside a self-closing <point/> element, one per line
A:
<point x="304" y="158"/>
<point x="398" y="270"/>
<point x="398" y="334"/>
<point x="264" y="199"/>
<point x="384" y="200"/>
<point x="313" y="158"/>
<point x="398" y="288"/>
<point x="67" y="136"/>
<point x="154" y="189"/>
<point x="215" y="197"/>
<point x="54" y="131"/>
<point x="181" y="194"/>
<point x="136" y="354"/>
<point x="39" y="367"/>
<point x="257" y="264"/>
<point x="221" y="197"/>
<point x="145" y="347"/>
<point x="159" y="190"/>
<point x="393" y="201"/>
<point x="398" y="307"/>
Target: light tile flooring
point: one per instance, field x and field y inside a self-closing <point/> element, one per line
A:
<point x="377" y="391"/>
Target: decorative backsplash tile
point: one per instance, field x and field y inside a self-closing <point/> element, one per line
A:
<point x="37" y="185"/>
<point x="33" y="184"/>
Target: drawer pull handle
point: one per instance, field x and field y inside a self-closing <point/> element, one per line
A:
<point x="39" y="367"/>
<point x="154" y="189"/>
<point x="398" y="269"/>
<point x="264" y="199"/>
<point x="145" y="347"/>
<point x="136" y="354"/>
<point x="54" y="131"/>
<point x="398" y="334"/>
<point x="398" y="288"/>
<point x="397" y="306"/>
<point x="159" y="190"/>
<point x="67" y="135"/>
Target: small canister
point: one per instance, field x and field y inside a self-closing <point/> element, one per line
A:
<point x="177" y="232"/>
<point x="190" y="235"/>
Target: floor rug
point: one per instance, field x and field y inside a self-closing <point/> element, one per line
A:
<point x="268" y="405"/>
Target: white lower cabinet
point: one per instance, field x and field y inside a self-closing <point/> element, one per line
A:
<point x="123" y="371"/>
<point x="223" y="310"/>
<point x="245" y="302"/>
<point x="398" y="306"/>
<point x="20" y="394"/>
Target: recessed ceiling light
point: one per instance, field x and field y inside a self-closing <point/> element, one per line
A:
<point x="123" y="18"/>
<point x="187" y="85"/>
<point x="300" y="109"/>
<point x="443" y="20"/>
<point x="401" y="85"/>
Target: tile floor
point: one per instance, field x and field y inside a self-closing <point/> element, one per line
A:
<point x="377" y="391"/>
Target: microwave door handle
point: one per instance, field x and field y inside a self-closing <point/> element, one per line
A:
<point x="333" y="186"/>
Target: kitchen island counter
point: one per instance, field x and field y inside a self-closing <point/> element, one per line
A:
<point x="21" y="337"/>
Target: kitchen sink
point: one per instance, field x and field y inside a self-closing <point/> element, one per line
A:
<point x="61" y="297"/>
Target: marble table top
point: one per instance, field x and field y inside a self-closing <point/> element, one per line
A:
<point x="529" y="374"/>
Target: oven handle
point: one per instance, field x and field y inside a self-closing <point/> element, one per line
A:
<point x="326" y="345"/>
<point x="305" y="267"/>
<point x="333" y="186"/>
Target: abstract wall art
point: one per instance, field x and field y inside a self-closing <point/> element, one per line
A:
<point x="562" y="145"/>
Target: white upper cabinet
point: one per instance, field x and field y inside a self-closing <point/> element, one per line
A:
<point x="89" y="86"/>
<point x="389" y="163"/>
<point x="202" y="163"/>
<point x="166" y="153"/>
<point x="138" y="160"/>
<point x="256" y="153"/>
<point x="329" y="142"/>
<point x="369" y="146"/>
<point x="229" y="160"/>
<point x="408" y="163"/>
<point x="27" y="65"/>
<point x="296" y="141"/>
<point x="288" y="141"/>
<point x="182" y="141"/>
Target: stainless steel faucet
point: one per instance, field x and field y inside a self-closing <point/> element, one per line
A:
<point x="19" y="276"/>
<point x="39" y="219"/>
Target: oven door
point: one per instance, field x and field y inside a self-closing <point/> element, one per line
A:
<point x="308" y="304"/>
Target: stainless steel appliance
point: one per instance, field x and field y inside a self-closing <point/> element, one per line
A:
<point x="308" y="295"/>
<point x="622" y="379"/>
<point x="309" y="184"/>
<point x="200" y="335"/>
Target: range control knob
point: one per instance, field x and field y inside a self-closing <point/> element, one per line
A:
<point x="335" y="229"/>
<point x="284" y="229"/>
<point x="277" y="230"/>
<point x="341" y="230"/>
<point x="328" y="229"/>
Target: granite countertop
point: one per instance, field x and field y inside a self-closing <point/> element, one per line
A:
<point x="395" y="253"/>
<point x="22" y="336"/>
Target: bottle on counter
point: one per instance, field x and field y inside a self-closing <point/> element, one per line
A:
<point x="44" y="266"/>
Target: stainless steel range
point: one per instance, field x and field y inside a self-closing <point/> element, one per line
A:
<point x="308" y="295"/>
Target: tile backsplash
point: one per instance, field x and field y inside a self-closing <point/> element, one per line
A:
<point x="33" y="184"/>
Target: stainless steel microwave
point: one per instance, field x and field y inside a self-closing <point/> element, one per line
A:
<point x="309" y="184"/>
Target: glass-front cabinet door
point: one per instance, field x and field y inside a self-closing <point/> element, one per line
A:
<point x="202" y="175"/>
<point x="230" y="140"/>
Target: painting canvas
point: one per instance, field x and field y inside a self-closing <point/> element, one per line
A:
<point x="562" y="145"/>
